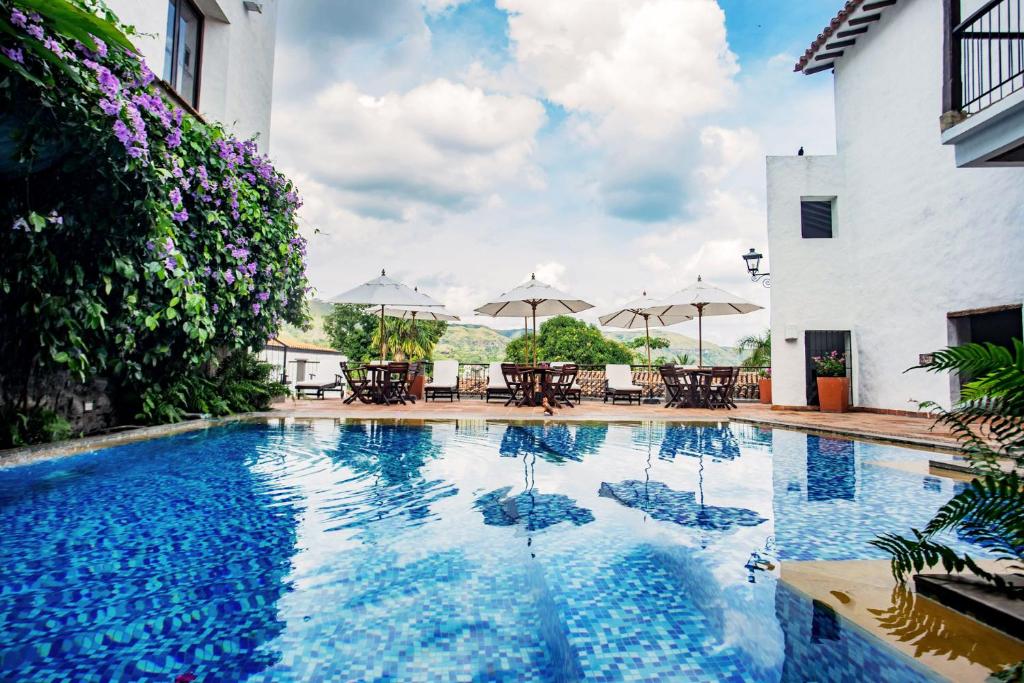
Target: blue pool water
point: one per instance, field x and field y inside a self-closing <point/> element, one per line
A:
<point x="447" y="551"/>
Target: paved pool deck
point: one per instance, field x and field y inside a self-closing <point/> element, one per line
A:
<point x="906" y="430"/>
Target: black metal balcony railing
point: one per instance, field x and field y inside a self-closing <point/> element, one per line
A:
<point x="986" y="55"/>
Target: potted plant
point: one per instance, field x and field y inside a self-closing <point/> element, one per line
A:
<point x="833" y="384"/>
<point x="764" y="385"/>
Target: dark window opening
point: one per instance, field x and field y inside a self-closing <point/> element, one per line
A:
<point x="182" y="51"/>
<point x="816" y="218"/>
<point x="822" y="343"/>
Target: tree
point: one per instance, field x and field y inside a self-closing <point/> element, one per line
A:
<point x="563" y="338"/>
<point x="351" y="330"/>
<point x="640" y="344"/>
<point x="758" y="349"/>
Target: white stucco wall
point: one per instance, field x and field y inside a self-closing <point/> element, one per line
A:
<point x="237" y="58"/>
<point x="916" y="237"/>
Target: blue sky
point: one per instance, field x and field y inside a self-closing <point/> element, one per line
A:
<point x="611" y="146"/>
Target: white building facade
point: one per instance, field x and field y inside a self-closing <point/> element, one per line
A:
<point x="891" y="249"/>
<point x="215" y="56"/>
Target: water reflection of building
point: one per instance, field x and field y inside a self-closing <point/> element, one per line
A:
<point x="831" y="469"/>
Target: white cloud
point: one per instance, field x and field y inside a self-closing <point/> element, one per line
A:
<point x="642" y="66"/>
<point x="439" y="145"/>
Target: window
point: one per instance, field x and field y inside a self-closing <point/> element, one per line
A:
<point x="816" y="218"/>
<point x="181" y="55"/>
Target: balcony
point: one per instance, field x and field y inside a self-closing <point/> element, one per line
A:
<point x="983" y="88"/>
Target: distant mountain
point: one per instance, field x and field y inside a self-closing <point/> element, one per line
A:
<point x="681" y="343"/>
<point x="482" y="344"/>
<point x="472" y="344"/>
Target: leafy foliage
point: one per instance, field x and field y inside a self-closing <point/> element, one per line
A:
<point x="242" y="383"/>
<point x="406" y="339"/>
<point x="757" y="349"/>
<point x="563" y="338"/>
<point x="989" y="421"/>
<point x="139" y="243"/>
<point x="35" y="425"/>
<point x="351" y="330"/>
<point x="830" y="365"/>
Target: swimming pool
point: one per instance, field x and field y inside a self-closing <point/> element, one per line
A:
<point x="446" y="551"/>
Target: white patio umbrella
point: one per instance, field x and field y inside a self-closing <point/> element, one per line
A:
<point x="530" y="299"/>
<point x="701" y="299"/>
<point x="382" y="292"/>
<point x="632" y="316"/>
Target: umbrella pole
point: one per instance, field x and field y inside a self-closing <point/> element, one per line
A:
<point x="534" y="333"/>
<point x="700" y="336"/>
<point x="382" y="331"/>
<point x="650" y="380"/>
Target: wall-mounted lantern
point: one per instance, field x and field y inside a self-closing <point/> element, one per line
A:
<point x="753" y="261"/>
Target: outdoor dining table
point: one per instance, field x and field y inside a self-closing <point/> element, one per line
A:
<point x="378" y="374"/>
<point x="701" y="378"/>
<point x="540" y="385"/>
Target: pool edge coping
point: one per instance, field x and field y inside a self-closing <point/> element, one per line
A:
<point x="28" y="455"/>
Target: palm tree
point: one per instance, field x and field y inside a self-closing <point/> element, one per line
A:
<point x="409" y="339"/>
<point x="758" y="349"/>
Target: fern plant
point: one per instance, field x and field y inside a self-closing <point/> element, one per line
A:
<point x="988" y="420"/>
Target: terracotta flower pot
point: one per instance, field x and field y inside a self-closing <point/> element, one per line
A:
<point x="764" y="390"/>
<point x="834" y="394"/>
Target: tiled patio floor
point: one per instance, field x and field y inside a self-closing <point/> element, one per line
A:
<point x="917" y="431"/>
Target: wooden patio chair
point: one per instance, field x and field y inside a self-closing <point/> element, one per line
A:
<point x="673" y="385"/>
<point x="563" y="382"/>
<point x="358" y="380"/>
<point x="396" y="384"/>
<point x="517" y="380"/>
<point x="722" y="387"/>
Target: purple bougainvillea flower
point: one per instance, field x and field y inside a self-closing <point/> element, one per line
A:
<point x="256" y="308"/>
<point x="110" y="107"/>
<point x="18" y="19"/>
<point x="136" y="152"/>
<point x="229" y="276"/>
<point x="101" y="47"/>
<point x="174" y="139"/>
<point x="20" y="224"/>
<point x="235" y="214"/>
<point x="263" y="296"/>
<point x="180" y="216"/>
<point x="215" y="308"/>
<point x="55" y="218"/>
<point x="175" y="197"/>
<point x="35" y="31"/>
<point x="149" y="245"/>
<point x="121" y="132"/>
<point x="13" y="54"/>
<point x="170" y="263"/>
<point x="109" y="83"/>
<point x="239" y="253"/>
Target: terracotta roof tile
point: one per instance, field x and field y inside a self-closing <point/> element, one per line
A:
<point x="827" y="32"/>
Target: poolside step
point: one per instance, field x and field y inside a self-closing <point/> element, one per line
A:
<point x="976" y="598"/>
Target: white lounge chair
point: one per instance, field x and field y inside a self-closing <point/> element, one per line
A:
<point x="496" y="386"/>
<point x="445" y="382"/>
<point x="619" y="384"/>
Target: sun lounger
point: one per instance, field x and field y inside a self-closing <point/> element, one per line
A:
<point x="496" y="387"/>
<point x="619" y="384"/>
<point x="445" y="382"/>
